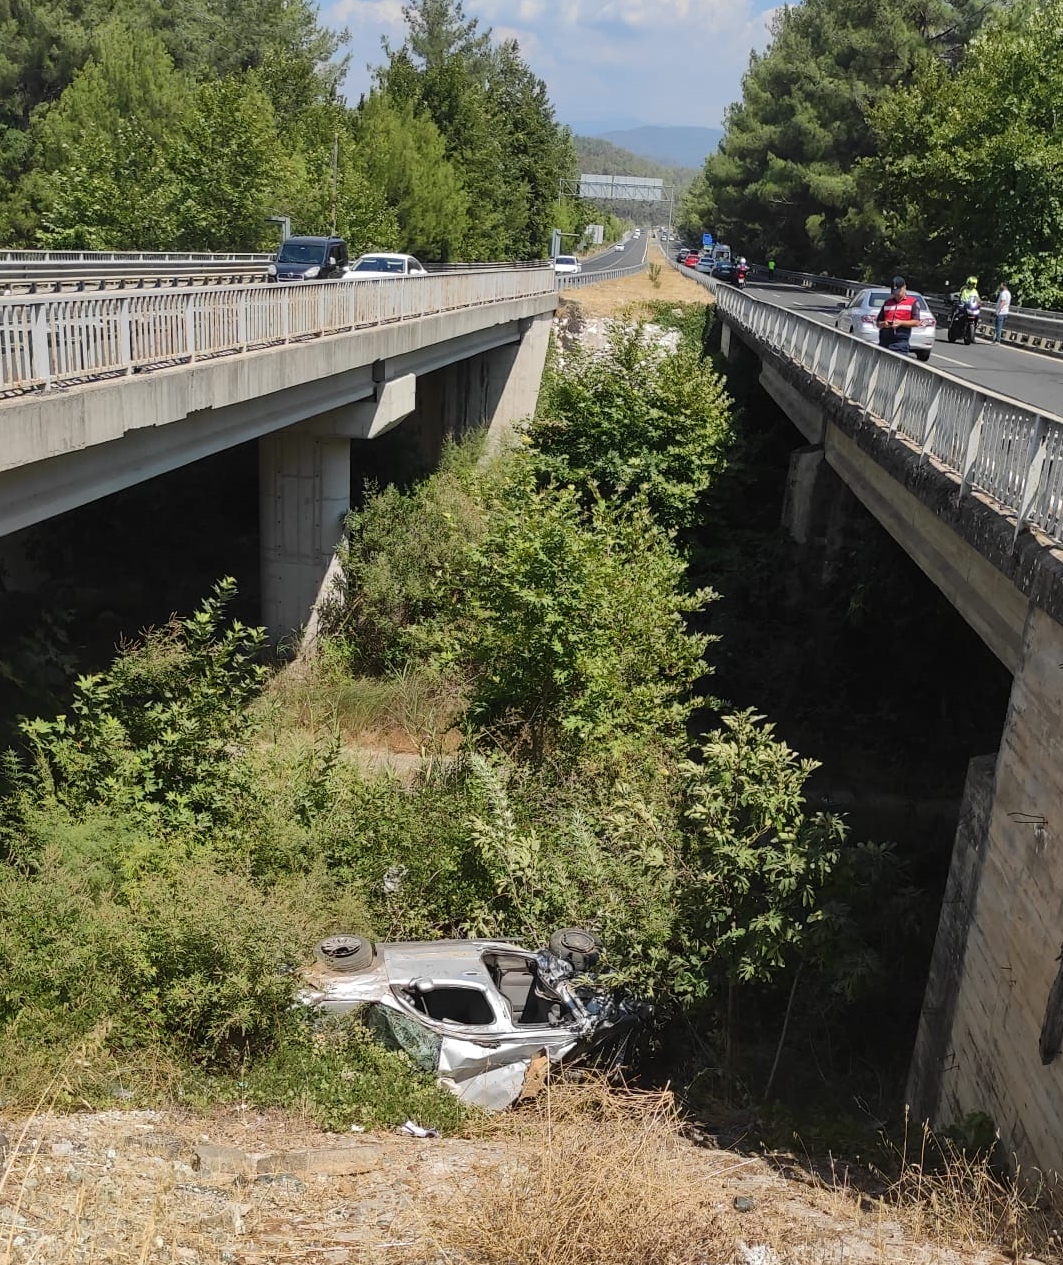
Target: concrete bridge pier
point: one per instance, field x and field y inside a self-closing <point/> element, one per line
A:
<point x="304" y="498"/>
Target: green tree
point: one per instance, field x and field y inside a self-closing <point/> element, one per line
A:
<point x="637" y="421"/>
<point x="787" y="180"/>
<point x="496" y="120"/>
<point x="573" y="627"/>
<point x="406" y="160"/>
<point x="973" y="189"/>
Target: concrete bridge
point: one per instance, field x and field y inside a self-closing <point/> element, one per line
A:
<point x="970" y="485"/>
<point x="100" y="392"/>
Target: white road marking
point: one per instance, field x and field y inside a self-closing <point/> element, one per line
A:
<point x="949" y="361"/>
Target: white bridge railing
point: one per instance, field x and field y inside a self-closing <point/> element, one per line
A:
<point x="1001" y="447"/>
<point x="53" y="339"/>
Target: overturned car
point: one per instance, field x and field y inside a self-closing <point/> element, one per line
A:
<point x="484" y="1015"/>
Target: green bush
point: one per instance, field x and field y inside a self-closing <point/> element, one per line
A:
<point x="573" y="626"/>
<point x="637" y="421"/>
<point x="400" y="564"/>
<point x="335" y="1071"/>
<point x="161" y="734"/>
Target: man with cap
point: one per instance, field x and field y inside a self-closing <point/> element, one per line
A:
<point x="897" y="318"/>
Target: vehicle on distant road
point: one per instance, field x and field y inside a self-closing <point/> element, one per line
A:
<point x="619" y="246"/>
<point x="860" y="317"/>
<point x="705" y="263"/>
<point x="688" y="258"/>
<point x="723" y="270"/>
<point x="384" y="264"/>
<point x="308" y="259"/>
<point x="567" y="264"/>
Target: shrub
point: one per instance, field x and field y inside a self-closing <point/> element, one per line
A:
<point x="160" y="734"/>
<point x="573" y="626"/>
<point x="401" y="562"/>
<point x="637" y="421"/>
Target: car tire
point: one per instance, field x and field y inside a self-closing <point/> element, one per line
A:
<point x="922" y="355"/>
<point x="580" y="948"/>
<point x="347" y="954"/>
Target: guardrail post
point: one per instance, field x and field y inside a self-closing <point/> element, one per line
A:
<point x="930" y="423"/>
<point x="970" y="459"/>
<point x="42" y="360"/>
<point x="190" y="326"/>
<point x="1035" y="464"/>
<point x="125" y="338"/>
<point x="241" y="323"/>
<point x="898" y="404"/>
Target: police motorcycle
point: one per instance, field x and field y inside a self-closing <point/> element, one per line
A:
<point x="964" y="316"/>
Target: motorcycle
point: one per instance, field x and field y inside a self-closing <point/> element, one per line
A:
<point x="963" y="320"/>
<point x="741" y="272"/>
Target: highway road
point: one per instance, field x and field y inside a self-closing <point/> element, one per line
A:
<point x="631" y="256"/>
<point x="1033" y="378"/>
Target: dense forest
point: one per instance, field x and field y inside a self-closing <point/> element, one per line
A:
<point x="143" y="126"/>
<point x="874" y="135"/>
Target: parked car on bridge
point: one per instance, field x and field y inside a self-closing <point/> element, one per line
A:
<point x="565" y="265"/>
<point x="308" y="259"/>
<point x="705" y="263"/>
<point x="860" y="317"/>
<point x="688" y="258"/>
<point x="480" y="1014"/>
<point x="384" y="264"/>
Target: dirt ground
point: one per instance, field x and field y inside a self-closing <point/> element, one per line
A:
<point x="607" y="298"/>
<point x="127" y="1186"/>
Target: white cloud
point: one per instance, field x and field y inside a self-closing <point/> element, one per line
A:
<point x="665" y="61"/>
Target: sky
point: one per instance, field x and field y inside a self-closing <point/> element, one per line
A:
<point x="618" y="62"/>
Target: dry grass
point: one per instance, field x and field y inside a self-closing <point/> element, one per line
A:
<point x="627" y="295"/>
<point x="961" y="1200"/>
<point x="585" y="1175"/>
<point x="409" y="712"/>
<point x="590" y="1176"/>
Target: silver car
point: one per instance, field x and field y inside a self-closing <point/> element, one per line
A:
<point x="860" y="317"/>
<point x="483" y="1015"/>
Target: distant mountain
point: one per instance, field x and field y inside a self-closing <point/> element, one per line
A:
<point x="598" y="127"/>
<point x="603" y="158"/>
<point x="676" y="146"/>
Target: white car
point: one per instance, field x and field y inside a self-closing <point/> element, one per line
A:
<point x="860" y="317"/>
<point x="567" y="264"/>
<point x="619" y="246"/>
<point x="383" y="264"/>
<point x="478" y="1013"/>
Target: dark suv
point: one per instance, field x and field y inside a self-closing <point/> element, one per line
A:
<point x="309" y="259"/>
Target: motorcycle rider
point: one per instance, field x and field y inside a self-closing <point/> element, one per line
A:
<point x="964" y="314"/>
<point x="897" y="318"/>
<point x="970" y="290"/>
<point x="741" y="270"/>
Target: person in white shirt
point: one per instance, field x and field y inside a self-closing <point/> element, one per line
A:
<point x="1003" y="309"/>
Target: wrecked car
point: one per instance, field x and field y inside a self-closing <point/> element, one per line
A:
<point x="486" y="1016"/>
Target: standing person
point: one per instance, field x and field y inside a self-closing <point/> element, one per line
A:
<point x="771" y="265"/>
<point x="1003" y="309"/>
<point x="897" y="318"/>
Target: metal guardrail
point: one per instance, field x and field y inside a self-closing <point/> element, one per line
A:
<point x="130" y="256"/>
<point x="997" y="445"/>
<point x="1033" y="328"/>
<point x="568" y="280"/>
<point x="50" y="340"/>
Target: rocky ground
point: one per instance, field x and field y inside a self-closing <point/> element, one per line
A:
<point x="245" y="1187"/>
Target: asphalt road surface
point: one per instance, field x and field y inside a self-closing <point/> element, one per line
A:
<point x="1032" y="377"/>
<point x="631" y="256"/>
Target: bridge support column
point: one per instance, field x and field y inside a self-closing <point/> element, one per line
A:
<point x="304" y="496"/>
<point x="514" y="374"/>
<point x="816" y="510"/>
<point x="992" y="1021"/>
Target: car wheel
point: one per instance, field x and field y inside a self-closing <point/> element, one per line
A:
<point x="922" y="355"/>
<point x="347" y="953"/>
<point x="582" y="949"/>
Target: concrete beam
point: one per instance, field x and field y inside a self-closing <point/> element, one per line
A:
<point x="392" y="403"/>
<point x="106" y="453"/>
